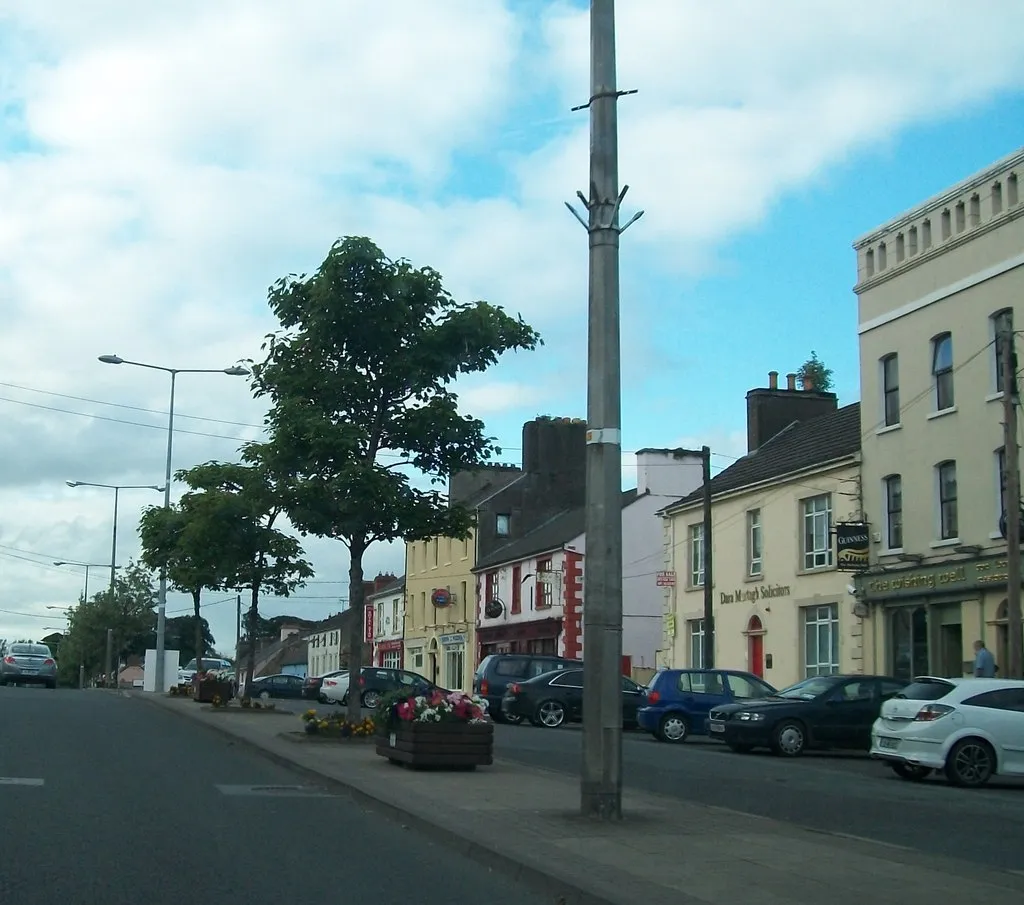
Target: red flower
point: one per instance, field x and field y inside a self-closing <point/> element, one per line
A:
<point x="406" y="711"/>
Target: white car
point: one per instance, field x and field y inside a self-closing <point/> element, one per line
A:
<point x="334" y="688"/>
<point x="210" y="664"/>
<point x="970" y="729"/>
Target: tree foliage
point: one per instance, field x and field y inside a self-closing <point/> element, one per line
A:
<point x="128" y="612"/>
<point x="359" y="381"/>
<point x="180" y="634"/>
<point x="814" y="375"/>
<point x="243" y="508"/>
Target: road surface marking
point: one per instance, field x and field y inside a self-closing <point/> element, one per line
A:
<point x="19" y="781"/>
<point x="904" y="848"/>
<point x="272" y="791"/>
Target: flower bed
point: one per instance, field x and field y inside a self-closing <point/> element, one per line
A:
<point x="436" y="730"/>
<point x="336" y="726"/>
<point x="207" y="686"/>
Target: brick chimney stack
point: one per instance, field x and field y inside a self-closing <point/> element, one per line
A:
<point x="771" y="410"/>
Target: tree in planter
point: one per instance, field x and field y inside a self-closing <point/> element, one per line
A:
<point x="251" y="551"/>
<point x="814" y="375"/>
<point x="183" y="541"/>
<point x="359" y="384"/>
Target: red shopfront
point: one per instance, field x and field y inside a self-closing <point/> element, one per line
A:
<point x="389" y="654"/>
<point x="539" y="636"/>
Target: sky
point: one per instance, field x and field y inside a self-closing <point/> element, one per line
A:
<point x="161" y="164"/>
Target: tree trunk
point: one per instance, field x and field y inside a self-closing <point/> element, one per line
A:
<point x="196" y="592"/>
<point x="250" y="656"/>
<point x="355" y="642"/>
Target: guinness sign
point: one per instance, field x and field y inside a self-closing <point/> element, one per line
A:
<point x="493" y="608"/>
<point x="853" y="545"/>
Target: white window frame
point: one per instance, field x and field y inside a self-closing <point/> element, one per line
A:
<point x="886" y="483"/>
<point x="755" y="544"/>
<point x="886" y="390"/>
<point x="453" y="655"/>
<point x="942" y="531"/>
<point x="695" y="633"/>
<point x="993" y="325"/>
<point x="815" y="619"/>
<point x="820" y="557"/>
<point x="696" y="534"/>
<point x="938" y="374"/>
<point x="391" y="659"/>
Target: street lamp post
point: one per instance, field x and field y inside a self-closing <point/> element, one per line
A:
<point x="161" y="606"/>
<point x="83" y="565"/>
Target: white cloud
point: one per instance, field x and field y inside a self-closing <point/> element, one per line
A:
<point x="175" y="159"/>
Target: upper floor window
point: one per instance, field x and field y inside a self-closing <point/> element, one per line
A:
<point x="893" y="512"/>
<point x="891" y="389"/>
<point x="503" y="525"/>
<point x="945" y="473"/>
<point x="1001" y="321"/>
<point x="942" y="371"/>
<point x="696" y="556"/>
<point x="437" y="550"/>
<point x="817" y="519"/>
<point x="754" y="551"/>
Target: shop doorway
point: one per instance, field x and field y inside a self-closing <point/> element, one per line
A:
<point x="908" y="642"/>
<point x="951" y="647"/>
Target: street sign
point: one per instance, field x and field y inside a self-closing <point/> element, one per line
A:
<point x="666" y="579"/>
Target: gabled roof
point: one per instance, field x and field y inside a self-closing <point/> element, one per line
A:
<point x="397" y="585"/>
<point x="550" y="535"/>
<point x="800" y="446"/>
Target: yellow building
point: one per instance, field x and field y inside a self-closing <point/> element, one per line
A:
<point x="440" y="611"/>
<point x="934" y="285"/>
<point x="781" y="608"/>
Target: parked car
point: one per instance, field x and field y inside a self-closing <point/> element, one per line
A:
<point x="210" y="664"/>
<point x="28" y="664"/>
<point x="375" y="682"/>
<point x="555" y="698"/>
<point x="497" y="671"/>
<point x="312" y="685"/>
<point x="970" y="729"/>
<point x="821" y="712"/>
<point x="279" y="686"/>
<point x="679" y="700"/>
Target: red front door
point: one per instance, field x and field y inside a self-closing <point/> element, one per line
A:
<point x="756" y="643"/>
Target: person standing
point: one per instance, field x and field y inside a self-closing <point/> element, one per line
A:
<point x="984" y="662"/>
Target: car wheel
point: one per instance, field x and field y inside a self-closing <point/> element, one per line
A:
<point x="911" y="772"/>
<point x="789" y="739"/>
<point x="674" y="727"/>
<point x="971" y="763"/>
<point x="371" y="699"/>
<point x="740" y="749"/>
<point x="264" y="696"/>
<point x="513" y="719"/>
<point x="550" y="714"/>
<point x="323" y="699"/>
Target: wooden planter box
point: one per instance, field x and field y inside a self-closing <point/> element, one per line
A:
<point x="454" y="745"/>
<point x="205" y="692"/>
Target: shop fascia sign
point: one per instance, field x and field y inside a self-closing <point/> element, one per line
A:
<point x="950" y="576"/>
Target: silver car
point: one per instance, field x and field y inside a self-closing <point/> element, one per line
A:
<point x="28" y="663"/>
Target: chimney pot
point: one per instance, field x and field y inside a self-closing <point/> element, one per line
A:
<point x="791" y="381"/>
<point x="773" y="380"/>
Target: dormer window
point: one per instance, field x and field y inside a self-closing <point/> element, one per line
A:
<point x="503" y="525"/>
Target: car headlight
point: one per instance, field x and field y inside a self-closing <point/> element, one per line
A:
<point x="750" y="717"/>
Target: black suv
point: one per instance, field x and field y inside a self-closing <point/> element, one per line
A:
<point x="497" y="671"/>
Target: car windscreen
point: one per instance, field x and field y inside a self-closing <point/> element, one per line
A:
<point x="30" y="650"/>
<point x="926" y="690"/>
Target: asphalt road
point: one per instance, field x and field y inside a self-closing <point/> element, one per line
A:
<point x="107" y="800"/>
<point x="840" y="793"/>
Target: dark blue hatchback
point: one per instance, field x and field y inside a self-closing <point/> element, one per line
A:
<point x="679" y="700"/>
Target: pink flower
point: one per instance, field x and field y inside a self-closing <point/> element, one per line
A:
<point x="406" y="711"/>
<point x="436" y="698"/>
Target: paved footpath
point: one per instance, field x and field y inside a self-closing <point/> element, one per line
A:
<point x="524" y="821"/>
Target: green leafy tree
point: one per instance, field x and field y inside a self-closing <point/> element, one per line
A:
<point x="181" y="634"/>
<point x="362" y="369"/>
<point x="251" y="551"/>
<point x="814" y="375"/>
<point x="184" y="540"/>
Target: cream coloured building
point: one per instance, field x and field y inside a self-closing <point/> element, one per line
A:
<point x="933" y="285"/>
<point x="781" y="609"/>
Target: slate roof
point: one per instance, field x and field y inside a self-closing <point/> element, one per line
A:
<point x="550" y="535"/>
<point x="802" y="445"/>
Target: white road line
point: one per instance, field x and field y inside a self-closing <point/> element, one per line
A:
<point x="19" y="781"/>
<point x="905" y="848"/>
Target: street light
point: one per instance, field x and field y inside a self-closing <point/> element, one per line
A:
<point x="84" y="565"/>
<point x="161" y="606"/>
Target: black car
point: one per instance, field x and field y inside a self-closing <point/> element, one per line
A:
<point x="377" y="681"/>
<point x="555" y="698"/>
<point x="279" y="686"/>
<point x="820" y="712"/>
<point x="497" y="671"/>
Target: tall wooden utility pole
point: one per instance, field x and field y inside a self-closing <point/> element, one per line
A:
<point x="1011" y="496"/>
<point x="601" y="767"/>
<point x="707" y="542"/>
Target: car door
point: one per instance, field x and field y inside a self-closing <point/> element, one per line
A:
<point x="292" y="686"/>
<point x="413" y="682"/>
<point x="1000" y="713"/>
<point x="633" y="698"/>
<point x="568" y="688"/>
<point x="848" y="713"/>
<point x="707" y="689"/>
